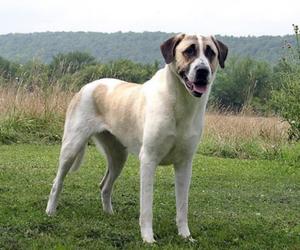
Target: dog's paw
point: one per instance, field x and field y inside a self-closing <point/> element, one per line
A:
<point x="106" y="205"/>
<point x="149" y="240"/>
<point x="184" y="232"/>
<point x="108" y="210"/>
<point x="188" y="237"/>
<point x="191" y="239"/>
<point x="50" y="212"/>
<point x="147" y="236"/>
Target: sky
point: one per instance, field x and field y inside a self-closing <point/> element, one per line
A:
<point x="227" y="17"/>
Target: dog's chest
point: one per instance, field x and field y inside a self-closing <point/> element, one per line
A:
<point x="185" y="140"/>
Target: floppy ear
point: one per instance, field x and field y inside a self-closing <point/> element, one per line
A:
<point x="222" y="51"/>
<point x="168" y="47"/>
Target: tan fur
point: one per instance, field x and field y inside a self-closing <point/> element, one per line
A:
<point x="99" y="96"/>
<point x="183" y="62"/>
<point x="124" y="105"/>
<point x="209" y="41"/>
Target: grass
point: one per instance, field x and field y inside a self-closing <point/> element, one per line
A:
<point x="36" y="116"/>
<point x="245" y="195"/>
<point x="234" y="204"/>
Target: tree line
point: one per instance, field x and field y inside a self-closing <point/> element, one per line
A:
<point x="72" y="70"/>
<point x="245" y="82"/>
<point x="137" y="47"/>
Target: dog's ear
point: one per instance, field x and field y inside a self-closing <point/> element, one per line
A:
<point x="168" y="47"/>
<point x="222" y="51"/>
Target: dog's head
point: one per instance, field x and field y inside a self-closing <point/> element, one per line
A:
<point x="194" y="59"/>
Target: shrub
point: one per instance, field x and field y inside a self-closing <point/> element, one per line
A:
<point x="70" y="63"/>
<point x="286" y="99"/>
<point x="243" y="83"/>
<point x="286" y="102"/>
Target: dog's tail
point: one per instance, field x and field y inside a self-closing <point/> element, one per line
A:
<point x="78" y="161"/>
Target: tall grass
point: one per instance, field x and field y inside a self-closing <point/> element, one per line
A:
<point x="228" y="126"/>
<point x="244" y="136"/>
<point x="36" y="115"/>
<point x="32" y="114"/>
<point x="34" y="101"/>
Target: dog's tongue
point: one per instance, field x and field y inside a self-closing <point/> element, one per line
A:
<point x="199" y="89"/>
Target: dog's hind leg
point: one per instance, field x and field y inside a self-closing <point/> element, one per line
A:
<point x="116" y="155"/>
<point x="72" y="150"/>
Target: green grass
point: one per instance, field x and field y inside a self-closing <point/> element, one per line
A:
<point x="234" y="204"/>
<point x="20" y="128"/>
<point x="286" y="152"/>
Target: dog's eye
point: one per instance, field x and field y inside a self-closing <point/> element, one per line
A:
<point x="209" y="53"/>
<point x="190" y="51"/>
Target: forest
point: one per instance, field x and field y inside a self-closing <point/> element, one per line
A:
<point x="106" y="47"/>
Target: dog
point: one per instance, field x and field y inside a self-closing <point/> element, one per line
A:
<point x="160" y="121"/>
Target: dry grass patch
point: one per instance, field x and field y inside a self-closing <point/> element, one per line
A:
<point x="32" y="115"/>
<point x="244" y="136"/>
<point x="33" y="101"/>
<point x="231" y="127"/>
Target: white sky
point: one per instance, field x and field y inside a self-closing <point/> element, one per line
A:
<point x="227" y="17"/>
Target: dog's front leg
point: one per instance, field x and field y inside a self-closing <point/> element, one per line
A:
<point x="147" y="173"/>
<point x="183" y="172"/>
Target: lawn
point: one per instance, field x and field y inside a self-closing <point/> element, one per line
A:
<point x="234" y="204"/>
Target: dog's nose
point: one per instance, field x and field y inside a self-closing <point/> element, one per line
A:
<point x="202" y="73"/>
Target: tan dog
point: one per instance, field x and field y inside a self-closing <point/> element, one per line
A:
<point x="160" y="121"/>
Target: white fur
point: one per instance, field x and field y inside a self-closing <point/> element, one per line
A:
<point x="170" y="134"/>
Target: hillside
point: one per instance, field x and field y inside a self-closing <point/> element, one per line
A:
<point x="139" y="47"/>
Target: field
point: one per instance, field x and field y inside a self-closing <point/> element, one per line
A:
<point x="234" y="204"/>
<point x="245" y="191"/>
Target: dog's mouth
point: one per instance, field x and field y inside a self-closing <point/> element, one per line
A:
<point x="197" y="88"/>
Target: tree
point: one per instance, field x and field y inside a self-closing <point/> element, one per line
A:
<point x="122" y="69"/>
<point x="243" y="83"/>
<point x="33" y="73"/>
<point x="70" y="63"/>
<point x="285" y="99"/>
<point x="7" y="69"/>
